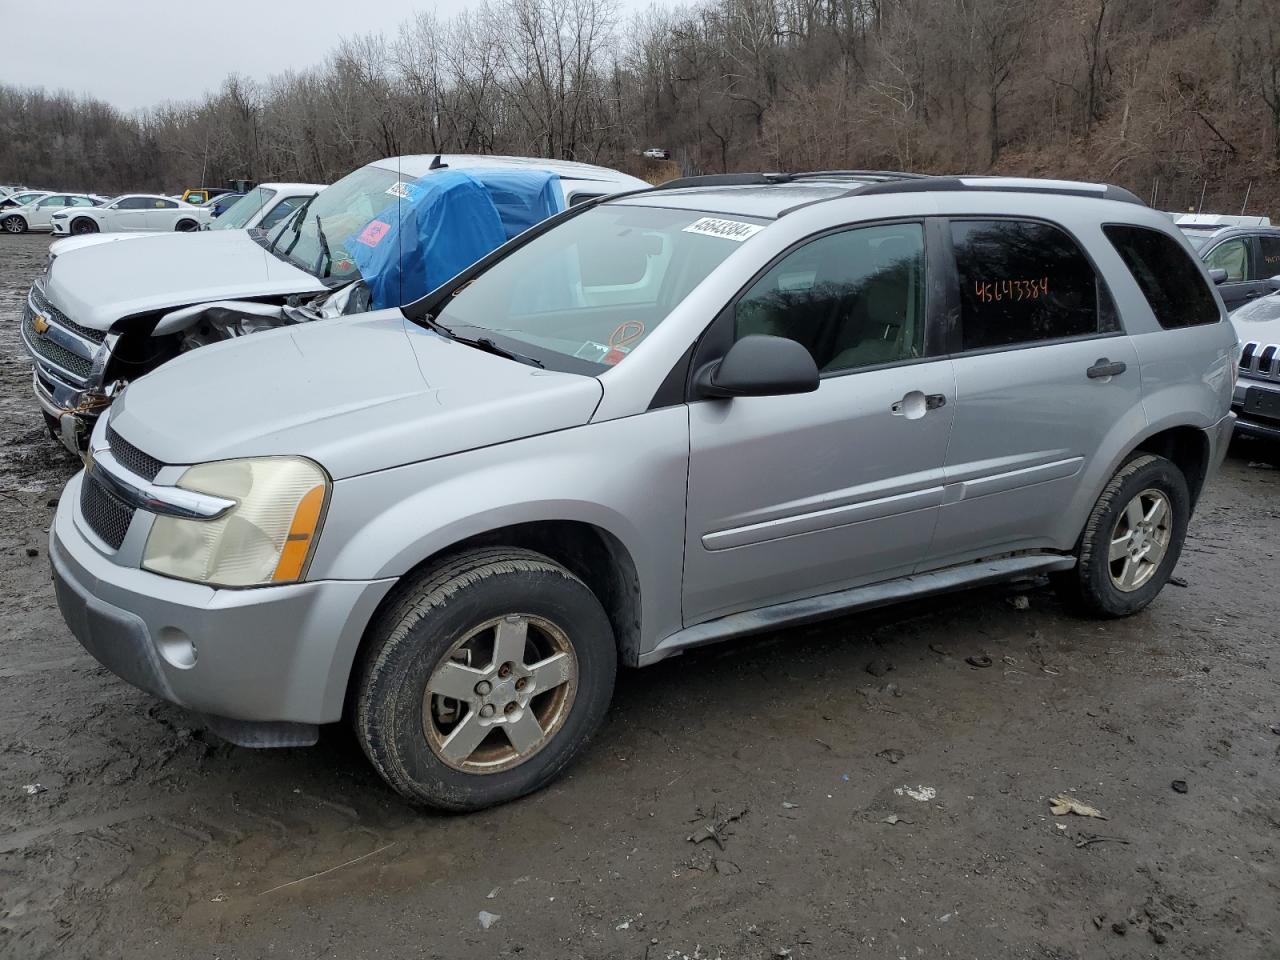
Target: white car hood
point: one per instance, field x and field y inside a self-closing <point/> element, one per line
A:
<point x="356" y="394"/>
<point x="1258" y="322"/>
<point x="98" y="284"/>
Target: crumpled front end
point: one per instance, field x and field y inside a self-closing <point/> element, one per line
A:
<point x="70" y="360"/>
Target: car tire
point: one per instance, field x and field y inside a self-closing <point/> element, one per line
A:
<point x="83" y="225"/>
<point x="1131" y="542"/>
<point x="14" y="224"/>
<point x="187" y="226"/>
<point x="455" y="624"/>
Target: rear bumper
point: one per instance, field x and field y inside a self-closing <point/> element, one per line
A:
<point x="266" y="665"/>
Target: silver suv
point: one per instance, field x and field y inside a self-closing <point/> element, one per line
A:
<point x="654" y="422"/>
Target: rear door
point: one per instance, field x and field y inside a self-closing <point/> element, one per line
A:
<point x="163" y="214"/>
<point x="796" y="496"/>
<point x="1268" y="259"/>
<point x="1043" y="373"/>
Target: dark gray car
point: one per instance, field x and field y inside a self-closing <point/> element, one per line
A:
<point x="1250" y="256"/>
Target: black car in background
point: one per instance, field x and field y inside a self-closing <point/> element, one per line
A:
<point x="1249" y="255"/>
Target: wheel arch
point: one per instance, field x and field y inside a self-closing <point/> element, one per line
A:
<point x="1187" y="447"/>
<point x="593" y="554"/>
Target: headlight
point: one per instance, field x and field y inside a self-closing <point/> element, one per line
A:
<point x="267" y="537"/>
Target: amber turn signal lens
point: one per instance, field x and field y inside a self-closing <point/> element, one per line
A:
<point x="297" y="547"/>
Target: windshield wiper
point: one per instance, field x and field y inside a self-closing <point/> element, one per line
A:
<point x="324" y="248"/>
<point x="482" y="343"/>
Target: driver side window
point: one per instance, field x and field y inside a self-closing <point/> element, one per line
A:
<point x="852" y="299"/>
<point x="1231" y="256"/>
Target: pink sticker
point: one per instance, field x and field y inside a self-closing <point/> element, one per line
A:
<point x="372" y="235"/>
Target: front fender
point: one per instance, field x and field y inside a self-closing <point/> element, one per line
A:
<point x="626" y="477"/>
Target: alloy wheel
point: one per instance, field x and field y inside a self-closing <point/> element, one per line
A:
<point x="1140" y="540"/>
<point x="500" y="695"/>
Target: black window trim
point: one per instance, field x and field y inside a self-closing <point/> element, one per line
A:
<point x="955" y="331"/>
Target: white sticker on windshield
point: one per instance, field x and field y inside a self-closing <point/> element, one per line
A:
<point x="734" y="230"/>
<point x="402" y="189"/>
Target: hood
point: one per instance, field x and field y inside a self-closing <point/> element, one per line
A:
<point x="98" y="284"/>
<point x="67" y="244"/>
<point x="1259" y="321"/>
<point x="355" y="395"/>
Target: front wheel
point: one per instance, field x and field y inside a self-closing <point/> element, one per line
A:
<point x="82" y="225"/>
<point x="1132" y="540"/>
<point x="14" y="224"/>
<point x="187" y="226"/>
<point x="485" y="680"/>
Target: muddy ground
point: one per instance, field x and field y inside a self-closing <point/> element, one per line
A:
<point x="149" y="838"/>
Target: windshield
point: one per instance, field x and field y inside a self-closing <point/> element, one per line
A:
<point x="586" y="293"/>
<point x="243" y="210"/>
<point x="314" y="241"/>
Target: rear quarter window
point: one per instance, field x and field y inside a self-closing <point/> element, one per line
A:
<point x="1171" y="281"/>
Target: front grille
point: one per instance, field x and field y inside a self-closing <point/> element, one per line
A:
<point x="106" y="515"/>
<point x="1259" y="361"/>
<point x="61" y="319"/>
<point x="130" y="457"/>
<point x="56" y="354"/>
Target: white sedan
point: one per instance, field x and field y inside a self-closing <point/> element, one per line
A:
<point x="132" y="213"/>
<point x="39" y="214"/>
<point x="262" y="208"/>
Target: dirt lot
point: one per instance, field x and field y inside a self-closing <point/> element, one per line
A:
<point x="148" y="838"/>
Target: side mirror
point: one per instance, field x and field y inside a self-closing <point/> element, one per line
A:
<point x="759" y="366"/>
<point x="1218" y="275"/>
<point x="1274" y="283"/>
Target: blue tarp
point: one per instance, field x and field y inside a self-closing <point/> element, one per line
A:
<point x="442" y="223"/>
<point x="523" y="197"/>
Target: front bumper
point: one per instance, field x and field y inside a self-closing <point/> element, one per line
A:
<point x="61" y="228"/>
<point x="265" y="665"/>
<point x="1253" y="424"/>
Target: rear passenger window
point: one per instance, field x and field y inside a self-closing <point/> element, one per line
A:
<point x="1270" y="256"/>
<point x="1175" y="289"/>
<point x="1021" y="282"/>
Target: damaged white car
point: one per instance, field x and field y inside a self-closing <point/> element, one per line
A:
<point x="103" y="315"/>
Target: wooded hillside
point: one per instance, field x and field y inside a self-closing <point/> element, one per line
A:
<point x="1167" y="97"/>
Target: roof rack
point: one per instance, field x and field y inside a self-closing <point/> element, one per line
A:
<point x="772" y="179"/>
<point x="1069" y="188"/>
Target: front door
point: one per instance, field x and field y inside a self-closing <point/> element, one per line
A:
<point x="1239" y="257"/>
<point x="797" y="496"/>
<point x="1043" y="375"/>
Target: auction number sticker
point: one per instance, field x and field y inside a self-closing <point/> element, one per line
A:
<point x="402" y="189"/>
<point x="734" y="230"/>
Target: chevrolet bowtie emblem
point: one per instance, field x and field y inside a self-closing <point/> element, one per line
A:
<point x="41" y="324"/>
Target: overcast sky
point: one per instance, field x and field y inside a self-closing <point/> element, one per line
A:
<point x="137" y="53"/>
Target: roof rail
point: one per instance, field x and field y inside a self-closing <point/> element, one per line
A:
<point x="1069" y="188"/>
<point x="768" y="179"/>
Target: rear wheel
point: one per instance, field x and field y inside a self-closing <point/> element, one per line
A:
<point x="485" y="680"/>
<point x="1132" y="540"/>
<point x="82" y="225"/>
<point x="187" y="226"/>
<point x="14" y="224"/>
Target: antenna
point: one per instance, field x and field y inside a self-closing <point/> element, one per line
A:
<point x="437" y="164"/>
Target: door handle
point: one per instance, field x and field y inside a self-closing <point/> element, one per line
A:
<point x="1102" y="367"/>
<point x="916" y="404"/>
